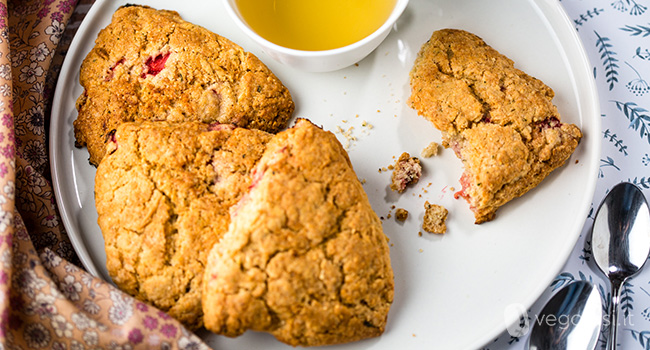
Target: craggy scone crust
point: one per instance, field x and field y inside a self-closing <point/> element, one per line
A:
<point x="305" y="257"/>
<point x="500" y="121"/>
<point x="162" y="193"/>
<point x="150" y="64"/>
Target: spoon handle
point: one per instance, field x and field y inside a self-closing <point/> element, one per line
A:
<point x="613" y="314"/>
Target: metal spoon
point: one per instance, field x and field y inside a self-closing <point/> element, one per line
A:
<point x="571" y="319"/>
<point x="620" y="241"/>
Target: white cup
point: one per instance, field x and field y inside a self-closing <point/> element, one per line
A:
<point x="325" y="60"/>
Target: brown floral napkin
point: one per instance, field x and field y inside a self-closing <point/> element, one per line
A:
<point x="47" y="301"/>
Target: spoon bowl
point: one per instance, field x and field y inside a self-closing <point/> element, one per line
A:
<point x="571" y="319"/>
<point x="620" y="241"/>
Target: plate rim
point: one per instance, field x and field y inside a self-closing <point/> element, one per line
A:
<point x="56" y="119"/>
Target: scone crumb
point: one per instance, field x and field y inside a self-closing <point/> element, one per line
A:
<point x="430" y="151"/>
<point x="348" y="135"/>
<point x="435" y="217"/>
<point x="407" y="170"/>
<point x="401" y="214"/>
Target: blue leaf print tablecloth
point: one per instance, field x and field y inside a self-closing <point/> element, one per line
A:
<point x="616" y="37"/>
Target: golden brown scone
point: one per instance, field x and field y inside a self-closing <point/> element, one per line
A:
<point x="500" y="121"/>
<point x="305" y="257"/>
<point x="162" y="193"/>
<point x="150" y="64"/>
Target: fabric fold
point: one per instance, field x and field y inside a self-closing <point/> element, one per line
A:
<point x="47" y="300"/>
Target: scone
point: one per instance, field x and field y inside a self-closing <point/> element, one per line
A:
<point x="163" y="194"/>
<point x="500" y="121"/>
<point x="305" y="257"/>
<point x="150" y="64"/>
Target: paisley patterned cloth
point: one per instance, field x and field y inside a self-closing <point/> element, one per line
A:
<point x="48" y="302"/>
<point x="616" y="37"/>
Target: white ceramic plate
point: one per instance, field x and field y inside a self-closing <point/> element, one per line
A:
<point x="451" y="291"/>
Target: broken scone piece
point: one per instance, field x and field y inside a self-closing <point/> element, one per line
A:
<point x="500" y="121"/>
<point x="305" y="257"/>
<point x="435" y="218"/>
<point x="407" y="170"/>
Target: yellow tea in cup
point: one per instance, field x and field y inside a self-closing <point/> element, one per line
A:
<point x="315" y="25"/>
